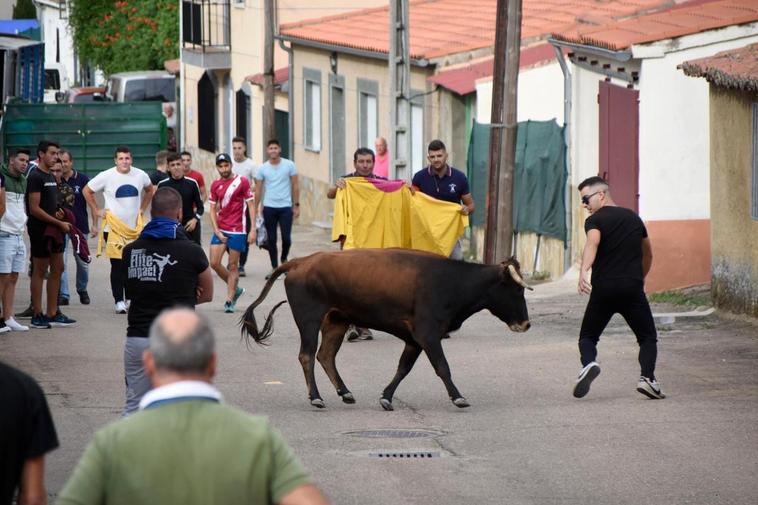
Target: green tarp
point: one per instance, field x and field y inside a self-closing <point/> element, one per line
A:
<point x="539" y="178"/>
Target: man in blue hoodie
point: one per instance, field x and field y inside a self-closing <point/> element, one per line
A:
<point x="163" y="268"/>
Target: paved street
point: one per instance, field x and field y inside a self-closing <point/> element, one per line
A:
<point x="524" y="440"/>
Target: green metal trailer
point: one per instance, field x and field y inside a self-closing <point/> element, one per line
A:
<point x="90" y="131"/>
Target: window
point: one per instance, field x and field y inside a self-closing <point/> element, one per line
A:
<point x="52" y="79"/>
<point x="243" y="116"/>
<point x="337" y="125"/>
<point x="754" y="199"/>
<point x="312" y="107"/>
<point x="150" y="90"/>
<point x="367" y="112"/>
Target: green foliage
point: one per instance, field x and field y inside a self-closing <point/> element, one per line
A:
<point x="124" y="35"/>
<point x="684" y="297"/>
<point x="24" y="9"/>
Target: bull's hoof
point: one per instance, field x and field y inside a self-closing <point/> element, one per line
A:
<point x="461" y="403"/>
<point x="348" y="398"/>
<point x="318" y="402"/>
<point x="386" y="404"/>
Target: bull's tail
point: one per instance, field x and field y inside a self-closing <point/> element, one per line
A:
<point x="248" y="324"/>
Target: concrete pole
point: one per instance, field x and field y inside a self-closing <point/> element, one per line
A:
<point x="269" y="122"/>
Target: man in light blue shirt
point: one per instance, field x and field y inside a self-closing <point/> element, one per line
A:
<point x="277" y="192"/>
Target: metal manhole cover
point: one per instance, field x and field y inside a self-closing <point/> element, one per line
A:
<point x="405" y="454"/>
<point x="392" y="433"/>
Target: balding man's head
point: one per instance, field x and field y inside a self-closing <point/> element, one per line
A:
<point x="181" y="341"/>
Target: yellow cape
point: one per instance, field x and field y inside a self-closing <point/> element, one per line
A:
<point x="118" y="237"/>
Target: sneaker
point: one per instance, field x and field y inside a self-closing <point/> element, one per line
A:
<point x="14" y="326"/>
<point x="84" y="297"/>
<point x="242" y="271"/>
<point x="586" y="376"/>
<point x="62" y="301"/>
<point x="120" y="307"/>
<point x="61" y="320"/>
<point x="650" y="388"/>
<point x="128" y="304"/>
<point x="365" y="334"/>
<point x="28" y="313"/>
<point x="3" y="327"/>
<point x="40" y="321"/>
<point x="237" y="293"/>
<point x="228" y="307"/>
<point x="352" y="334"/>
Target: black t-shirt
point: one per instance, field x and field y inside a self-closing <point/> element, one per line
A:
<point x="26" y="427"/>
<point x="619" y="255"/>
<point x="190" y="192"/>
<point x="158" y="176"/>
<point x="160" y="273"/>
<point x="44" y="184"/>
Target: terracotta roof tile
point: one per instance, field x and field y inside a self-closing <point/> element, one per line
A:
<point x="442" y="27"/>
<point x="737" y="69"/>
<point x="280" y="77"/>
<point x="685" y="19"/>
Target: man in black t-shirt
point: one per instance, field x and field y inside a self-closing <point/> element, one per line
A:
<point x="42" y="200"/>
<point x="190" y="193"/>
<point x="27" y="433"/>
<point x="162" y="269"/>
<point x="619" y="253"/>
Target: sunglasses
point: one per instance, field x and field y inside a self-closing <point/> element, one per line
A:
<point x="586" y="198"/>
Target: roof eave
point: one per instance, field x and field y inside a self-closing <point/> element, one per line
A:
<point x="623" y="55"/>
<point x="361" y="53"/>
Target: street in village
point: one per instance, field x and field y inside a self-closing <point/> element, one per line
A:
<point x="524" y="440"/>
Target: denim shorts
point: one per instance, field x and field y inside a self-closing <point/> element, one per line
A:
<point x="234" y="241"/>
<point x="12" y="253"/>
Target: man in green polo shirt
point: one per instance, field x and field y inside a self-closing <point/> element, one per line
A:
<point x="185" y="446"/>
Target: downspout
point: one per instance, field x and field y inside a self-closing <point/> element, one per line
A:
<point x="181" y="112"/>
<point x="567" y="256"/>
<point x="290" y="105"/>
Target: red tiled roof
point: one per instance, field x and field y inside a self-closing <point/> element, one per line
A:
<point x="685" y="19"/>
<point x="442" y="27"/>
<point x="281" y="75"/>
<point x="736" y="69"/>
<point x="463" y="80"/>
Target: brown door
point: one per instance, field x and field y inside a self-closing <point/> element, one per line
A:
<point x="619" y="142"/>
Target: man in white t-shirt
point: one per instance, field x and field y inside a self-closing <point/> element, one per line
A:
<point x="127" y="191"/>
<point x="244" y="166"/>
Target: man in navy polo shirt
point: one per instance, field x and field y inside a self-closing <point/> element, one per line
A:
<point x="76" y="180"/>
<point x="443" y="182"/>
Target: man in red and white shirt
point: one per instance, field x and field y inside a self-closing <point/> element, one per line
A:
<point x="229" y="196"/>
<point x="194" y="174"/>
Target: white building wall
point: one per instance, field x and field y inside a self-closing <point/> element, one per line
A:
<point x="540" y="95"/>
<point x="51" y="23"/>
<point x="674" y="140"/>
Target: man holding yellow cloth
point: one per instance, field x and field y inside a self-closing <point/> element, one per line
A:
<point x="127" y="191"/>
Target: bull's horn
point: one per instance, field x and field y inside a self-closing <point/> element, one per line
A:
<point x="518" y="279"/>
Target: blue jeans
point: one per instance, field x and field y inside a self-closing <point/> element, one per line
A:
<point x="82" y="272"/>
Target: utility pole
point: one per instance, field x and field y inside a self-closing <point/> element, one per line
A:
<point x="400" y="90"/>
<point x="269" y="125"/>
<point x="504" y="119"/>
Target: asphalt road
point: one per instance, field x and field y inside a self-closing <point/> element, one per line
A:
<point x="524" y="440"/>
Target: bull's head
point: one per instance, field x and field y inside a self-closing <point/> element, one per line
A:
<point x="506" y="300"/>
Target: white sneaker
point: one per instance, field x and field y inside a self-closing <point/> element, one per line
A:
<point x="650" y="388"/>
<point x="15" y="326"/>
<point x="120" y="307"/>
<point x="4" y="329"/>
<point x="586" y="376"/>
<point x="128" y="304"/>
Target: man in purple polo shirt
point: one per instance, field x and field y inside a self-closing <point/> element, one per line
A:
<point x="444" y="182"/>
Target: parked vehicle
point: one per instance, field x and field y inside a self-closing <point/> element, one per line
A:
<point x="84" y="95"/>
<point x="56" y="82"/>
<point x="145" y="86"/>
<point x="21" y="69"/>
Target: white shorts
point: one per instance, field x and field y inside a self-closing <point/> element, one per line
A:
<point x="12" y="253"/>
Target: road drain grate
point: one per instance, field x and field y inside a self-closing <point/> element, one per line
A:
<point x="394" y="433"/>
<point x="404" y="454"/>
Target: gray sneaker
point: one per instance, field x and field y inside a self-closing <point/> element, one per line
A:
<point x="586" y="376"/>
<point x="650" y="388"/>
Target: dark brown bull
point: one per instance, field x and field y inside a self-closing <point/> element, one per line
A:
<point x="416" y="296"/>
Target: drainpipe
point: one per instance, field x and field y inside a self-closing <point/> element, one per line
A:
<point x="290" y="105"/>
<point x="567" y="253"/>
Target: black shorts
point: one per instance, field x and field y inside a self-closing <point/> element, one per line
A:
<point x="42" y="246"/>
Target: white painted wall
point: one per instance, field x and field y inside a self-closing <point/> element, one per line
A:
<point x="50" y="21"/>
<point x="674" y="139"/>
<point x="540" y="95"/>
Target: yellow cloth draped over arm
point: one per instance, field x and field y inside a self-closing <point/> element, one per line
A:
<point x="119" y="235"/>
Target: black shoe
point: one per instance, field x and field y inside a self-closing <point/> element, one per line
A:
<point x="586" y="376"/>
<point x="26" y="314"/>
<point x="62" y="301"/>
<point x="241" y="270"/>
<point x="83" y="297"/>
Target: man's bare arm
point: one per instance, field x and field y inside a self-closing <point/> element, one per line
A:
<point x="588" y="258"/>
<point x="307" y="494"/>
<point x="32" y="488"/>
<point x="468" y="204"/>
<point x="205" y="286"/>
